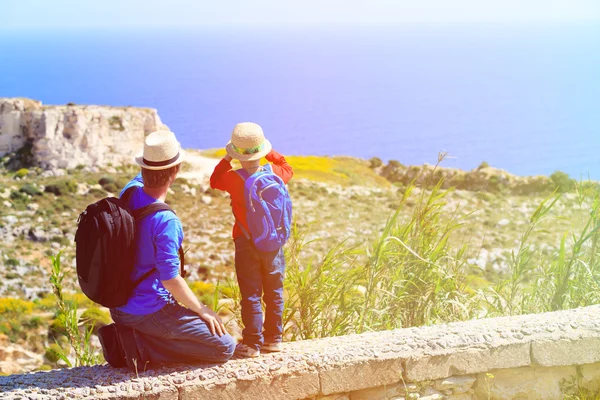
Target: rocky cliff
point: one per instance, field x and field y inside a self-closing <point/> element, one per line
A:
<point x="72" y="135"/>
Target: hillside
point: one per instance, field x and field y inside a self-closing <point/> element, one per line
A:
<point x="336" y="200"/>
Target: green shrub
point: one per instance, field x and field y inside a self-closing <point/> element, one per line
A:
<point x="67" y="186"/>
<point x="483" y="165"/>
<point x="375" y="162"/>
<point x="53" y="352"/>
<point x="33" y="323"/>
<point x="14" y="306"/>
<point x="13" y="262"/>
<point x="19" y="197"/>
<point x="63" y="241"/>
<point x="22" y="173"/>
<point x="116" y="123"/>
<point x="57" y="326"/>
<point x="110" y="187"/>
<point x="562" y="181"/>
<point x="397" y="164"/>
<point x="106" y="180"/>
<point x="95" y="317"/>
<point x="30" y="190"/>
<point x="97" y="193"/>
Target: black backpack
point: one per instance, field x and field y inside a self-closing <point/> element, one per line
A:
<point x="105" y="249"/>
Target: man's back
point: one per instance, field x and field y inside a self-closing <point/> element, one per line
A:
<point x="158" y="238"/>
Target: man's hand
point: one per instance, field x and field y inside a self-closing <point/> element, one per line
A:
<point x="179" y="288"/>
<point x="214" y="322"/>
<point x="227" y="157"/>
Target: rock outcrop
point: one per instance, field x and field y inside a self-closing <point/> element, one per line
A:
<point x="72" y="135"/>
<point x="486" y="179"/>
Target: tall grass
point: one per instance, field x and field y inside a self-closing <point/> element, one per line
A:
<point x="411" y="275"/>
<point x="408" y="276"/>
<point x="79" y="338"/>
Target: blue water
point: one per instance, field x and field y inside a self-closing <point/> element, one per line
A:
<point x="523" y="99"/>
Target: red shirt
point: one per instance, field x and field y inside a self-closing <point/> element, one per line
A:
<point x="226" y="179"/>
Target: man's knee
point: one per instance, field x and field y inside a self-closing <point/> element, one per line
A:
<point x="226" y="349"/>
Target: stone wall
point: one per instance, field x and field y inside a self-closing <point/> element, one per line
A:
<point x="72" y="135"/>
<point x="543" y="356"/>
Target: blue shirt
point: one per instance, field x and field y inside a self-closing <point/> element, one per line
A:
<point x="158" y="237"/>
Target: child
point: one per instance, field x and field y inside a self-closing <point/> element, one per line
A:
<point x="257" y="272"/>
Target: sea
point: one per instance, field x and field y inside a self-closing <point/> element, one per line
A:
<point x="522" y="98"/>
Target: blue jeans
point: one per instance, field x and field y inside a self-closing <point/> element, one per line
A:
<point x="260" y="274"/>
<point x="174" y="334"/>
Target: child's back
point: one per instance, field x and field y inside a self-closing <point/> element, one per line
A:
<point x="257" y="271"/>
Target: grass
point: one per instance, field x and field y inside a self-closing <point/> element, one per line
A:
<point x="361" y="258"/>
<point x="337" y="170"/>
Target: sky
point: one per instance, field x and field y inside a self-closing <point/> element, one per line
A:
<point x="45" y="15"/>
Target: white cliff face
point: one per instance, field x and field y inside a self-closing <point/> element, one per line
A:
<point x="68" y="136"/>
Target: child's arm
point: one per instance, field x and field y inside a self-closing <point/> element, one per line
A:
<point x="280" y="166"/>
<point x="217" y="179"/>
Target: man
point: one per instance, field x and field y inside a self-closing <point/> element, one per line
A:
<point x="152" y="321"/>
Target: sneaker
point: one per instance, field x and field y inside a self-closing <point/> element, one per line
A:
<point x="243" y="350"/>
<point x="111" y="346"/>
<point x="272" y="347"/>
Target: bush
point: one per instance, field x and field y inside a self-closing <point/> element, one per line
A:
<point x="53" y="352"/>
<point x="203" y="290"/>
<point x="106" y="180"/>
<point x="116" y="123"/>
<point x="30" y="190"/>
<point x="111" y="188"/>
<point x="22" y="173"/>
<point x="562" y="181"/>
<point x="397" y="164"/>
<point x="375" y="162"/>
<point x="68" y="186"/>
<point x="57" y="327"/>
<point x="19" y="197"/>
<point x="11" y="305"/>
<point x="95" y="317"/>
<point x="483" y="165"/>
<point x="63" y="241"/>
<point x="97" y="193"/>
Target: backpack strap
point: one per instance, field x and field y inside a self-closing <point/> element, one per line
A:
<point x="126" y="196"/>
<point x="245" y="175"/>
<point x="143" y="212"/>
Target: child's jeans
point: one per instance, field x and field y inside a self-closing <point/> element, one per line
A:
<point x="258" y="273"/>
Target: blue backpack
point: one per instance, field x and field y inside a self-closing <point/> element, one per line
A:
<point x="268" y="209"/>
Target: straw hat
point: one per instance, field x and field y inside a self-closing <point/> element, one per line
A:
<point x="248" y="142"/>
<point x="161" y="151"/>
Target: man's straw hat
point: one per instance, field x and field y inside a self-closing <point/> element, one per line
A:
<point x="161" y="151"/>
<point x="248" y="142"/>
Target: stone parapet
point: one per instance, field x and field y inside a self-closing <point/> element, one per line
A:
<point x="530" y="356"/>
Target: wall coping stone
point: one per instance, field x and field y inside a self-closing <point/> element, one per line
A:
<point x="341" y="364"/>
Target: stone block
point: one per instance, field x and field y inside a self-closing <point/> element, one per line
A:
<point x="457" y="384"/>
<point x="343" y="396"/>
<point x="361" y="375"/>
<point x="379" y="393"/>
<point x="584" y="350"/>
<point x="281" y="387"/>
<point x="532" y="383"/>
<point x="464" y="362"/>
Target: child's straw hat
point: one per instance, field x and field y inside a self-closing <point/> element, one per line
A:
<point x="248" y="142"/>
